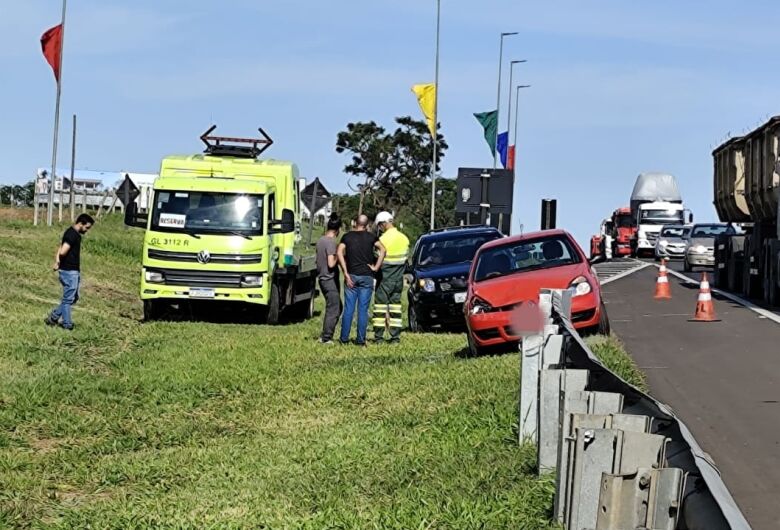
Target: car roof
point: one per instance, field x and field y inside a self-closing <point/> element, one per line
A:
<point x="459" y="231"/>
<point x="526" y="237"/>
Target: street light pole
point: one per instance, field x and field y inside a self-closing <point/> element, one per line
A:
<point x="435" y="133"/>
<point x="509" y="113"/>
<point x="498" y="95"/>
<point x="517" y="111"/>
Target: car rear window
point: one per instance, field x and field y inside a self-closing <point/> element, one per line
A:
<point x="451" y="251"/>
<point x="711" y="230"/>
<point x="524" y="256"/>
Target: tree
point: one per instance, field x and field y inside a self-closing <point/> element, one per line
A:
<point x="17" y="195"/>
<point x="390" y="166"/>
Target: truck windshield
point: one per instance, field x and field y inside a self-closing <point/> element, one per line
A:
<point x="207" y="212"/>
<point x="624" y="221"/>
<point x="450" y="251"/>
<point x="660" y="217"/>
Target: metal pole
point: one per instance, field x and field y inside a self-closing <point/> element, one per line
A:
<point x="498" y="95"/>
<point x="53" y="175"/>
<point x="509" y="112"/>
<point x="72" y="173"/>
<point x="311" y="207"/>
<point x="435" y="134"/>
<point x="517" y="111"/>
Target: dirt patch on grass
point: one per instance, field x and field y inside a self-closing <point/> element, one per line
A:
<point x="45" y="445"/>
<point x="16" y="214"/>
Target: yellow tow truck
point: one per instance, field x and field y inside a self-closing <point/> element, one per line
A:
<point x="222" y="226"/>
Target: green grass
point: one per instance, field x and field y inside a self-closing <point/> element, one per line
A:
<point x="121" y="424"/>
<point x="613" y="354"/>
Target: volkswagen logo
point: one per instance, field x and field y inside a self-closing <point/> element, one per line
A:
<point x="204" y="256"/>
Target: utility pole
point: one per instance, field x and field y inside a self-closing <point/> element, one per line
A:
<point x="517" y="111"/>
<point x="509" y="113"/>
<point x="72" y="173"/>
<point x="498" y="95"/>
<point x="435" y="132"/>
<point x="53" y="175"/>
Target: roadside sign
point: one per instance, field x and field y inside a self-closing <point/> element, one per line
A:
<point x="127" y="191"/>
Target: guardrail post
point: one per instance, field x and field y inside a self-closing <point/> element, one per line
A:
<point x="531" y="352"/>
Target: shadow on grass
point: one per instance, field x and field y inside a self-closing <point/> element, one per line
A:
<point x="219" y="312"/>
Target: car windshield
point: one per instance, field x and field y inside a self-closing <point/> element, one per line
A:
<point x="673" y="231"/>
<point x="711" y="230"/>
<point x="524" y="256"/>
<point x="207" y="212"/>
<point x="451" y="251"/>
<point x="660" y="216"/>
<point x="624" y="221"/>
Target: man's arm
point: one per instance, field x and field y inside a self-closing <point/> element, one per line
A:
<point x="62" y="251"/>
<point x="382" y="252"/>
<point x="332" y="257"/>
<point x="343" y="264"/>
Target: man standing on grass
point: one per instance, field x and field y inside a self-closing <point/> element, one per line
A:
<point x="67" y="261"/>
<point x="356" y="257"/>
<point x="328" y="275"/>
<point x="390" y="280"/>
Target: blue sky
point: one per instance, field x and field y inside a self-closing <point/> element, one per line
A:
<point x="618" y="87"/>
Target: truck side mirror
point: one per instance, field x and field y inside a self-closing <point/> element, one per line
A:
<point x="288" y="221"/>
<point x="133" y="218"/>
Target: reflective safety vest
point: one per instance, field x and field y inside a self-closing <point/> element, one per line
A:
<point x="397" y="246"/>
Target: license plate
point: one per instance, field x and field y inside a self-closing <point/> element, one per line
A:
<point x="460" y="298"/>
<point x="202" y="293"/>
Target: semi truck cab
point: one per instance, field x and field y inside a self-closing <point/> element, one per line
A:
<point x="221" y="227"/>
<point x="651" y="217"/>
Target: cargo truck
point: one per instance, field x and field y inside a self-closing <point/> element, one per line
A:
<point x="221" y="228"/>
<point x="655" y="202"/>
<point x="623" y="231"/>
<point x="601" y="244"/>
<point x="746" y="183"/>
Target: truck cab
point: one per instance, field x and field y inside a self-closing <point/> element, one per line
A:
<point x="623" y="231"/>
<point x="221" y="227"/>
<point x="651" y="218"/>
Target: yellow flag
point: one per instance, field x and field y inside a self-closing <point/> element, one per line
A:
<point x="426" y="97"/>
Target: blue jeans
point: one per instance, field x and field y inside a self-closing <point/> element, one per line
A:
<point x="70" y="295"/>
<point x="359" y="295"/>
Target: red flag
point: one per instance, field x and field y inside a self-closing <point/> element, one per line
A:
<point x="511" y="157"/>
<point x="51" y="43"/>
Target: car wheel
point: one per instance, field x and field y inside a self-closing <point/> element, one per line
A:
<point x="474" y="350"/>
<point x="414" y="324"/>
<point x="687" y="266"/>
<point x="604" y="327"/>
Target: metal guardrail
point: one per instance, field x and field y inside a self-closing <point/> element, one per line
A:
<point x="622" y="459"/>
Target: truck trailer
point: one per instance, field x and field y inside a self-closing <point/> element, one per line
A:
<point x="746" y="183"/>
<point x="222" y="228"/>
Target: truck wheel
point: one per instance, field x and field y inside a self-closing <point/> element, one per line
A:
<point x="274" y="306"/>
<point x="152" y="310"/>
<point x="604" y="327"/>
<point x="304" y="310"/>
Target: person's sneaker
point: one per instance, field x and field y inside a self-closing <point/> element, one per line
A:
<point x="321" y="341"/>
<point x="378" y="341"/>
<point x="67" y="328"/>
<point x="49" y="322"/>
<point x="363" y="344"/>
<point x="344" y="342"/>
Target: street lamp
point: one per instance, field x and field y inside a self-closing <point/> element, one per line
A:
<point x="498" y="96"/>
<point x="517" y="111"/>
<point x="509" y="113"/>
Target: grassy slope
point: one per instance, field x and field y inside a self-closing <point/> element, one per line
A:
<point x="184" y="424"/>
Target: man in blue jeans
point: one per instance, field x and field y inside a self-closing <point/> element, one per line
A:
<point x="359" y="264"/>
<point x="67" y="261"/>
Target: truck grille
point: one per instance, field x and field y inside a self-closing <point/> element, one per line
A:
<point x="201" y="278"/>
<point x="652" y="237"/>
<point x="192" y="257"/>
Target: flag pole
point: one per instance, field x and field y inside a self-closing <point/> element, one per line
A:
<point x="498" y="96"/>
<point x="72" y="173"/>
<point x="509" y="113"/>
<point x="53" y="174"/>
<point x="517" y="111"/>
<point x="435" y="132"/>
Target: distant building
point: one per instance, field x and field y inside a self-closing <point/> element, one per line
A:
<point x="323" y="202"/>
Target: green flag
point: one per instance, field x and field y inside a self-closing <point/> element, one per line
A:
<point x="489" y="122"/>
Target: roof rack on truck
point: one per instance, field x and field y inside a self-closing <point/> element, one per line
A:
<point x="215" y="145"/>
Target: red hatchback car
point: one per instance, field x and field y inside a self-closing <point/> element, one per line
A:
<point x="506" y="273"/>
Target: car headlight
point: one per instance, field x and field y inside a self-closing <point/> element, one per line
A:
<point x="478" y="306"/>
<point x="698" y="249"/>
<point x="252" y="280"/>
<point x="662" y="242"/>
<point x="427" y="285"/>
<point x="154" y="276"/>
<point x="581" y="286"/>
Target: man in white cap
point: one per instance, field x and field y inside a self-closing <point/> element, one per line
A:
<point x="390" y="280"/>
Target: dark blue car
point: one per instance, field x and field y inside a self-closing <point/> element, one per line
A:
<point x="440" y="267"/>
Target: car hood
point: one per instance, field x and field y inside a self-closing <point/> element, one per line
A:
<point x="705" y="241"/>
<point x="672" y="239"/>
<point x="444" y="271"/>
<point x="523" y="286"/>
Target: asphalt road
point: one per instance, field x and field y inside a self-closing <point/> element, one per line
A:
<point x="723" y="378"/>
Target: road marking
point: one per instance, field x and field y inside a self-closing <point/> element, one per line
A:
<point x="611" y="271"/>
<point x="734" y="298"/>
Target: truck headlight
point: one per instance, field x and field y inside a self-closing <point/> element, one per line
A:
<point x="252" y="280"/>
<point x="427" y="285"/>
<point x="581" y="286"/>
<point x="154" y="277"/>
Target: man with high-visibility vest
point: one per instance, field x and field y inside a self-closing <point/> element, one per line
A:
<point x="390" y="280"/>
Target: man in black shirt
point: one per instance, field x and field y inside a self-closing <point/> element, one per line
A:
<point x="67" y="261"/>
<point x="356" y="257"/>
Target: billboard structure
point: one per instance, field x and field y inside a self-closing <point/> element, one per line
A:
<point x="485" y="197"/>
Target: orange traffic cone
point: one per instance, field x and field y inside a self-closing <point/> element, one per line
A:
<point x="662" y="289"/>
<point x="705" y="310"/>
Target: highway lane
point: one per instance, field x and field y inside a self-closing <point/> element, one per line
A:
<point x="723" y="378"/>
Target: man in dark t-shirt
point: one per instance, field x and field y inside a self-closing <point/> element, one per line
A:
<point x="356" y="258"/>
<point x="67" y="261"/>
